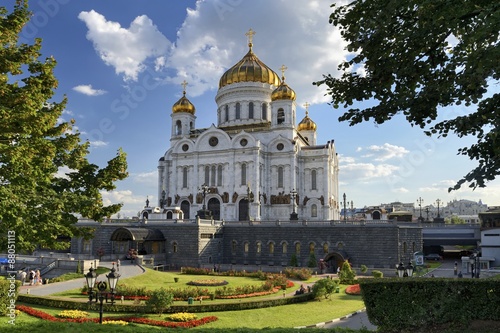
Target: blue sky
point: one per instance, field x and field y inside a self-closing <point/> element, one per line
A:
<point x="121" y="64"/>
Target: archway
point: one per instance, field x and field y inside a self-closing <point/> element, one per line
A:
<point x="243" y="214"/>
<point x="214" y="207"/>
<point x="185" y="207"/>
<point x="334" y="260"/>
<point x="376" y="215"/>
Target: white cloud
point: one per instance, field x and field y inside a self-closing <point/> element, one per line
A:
<point x="87" y="89"/>
<point x="125" y="49"/>
<point x="97" y="144"/>
<point x="146" y="178"/>
<point x="400" y="190"/>
<point x="385" y="152"/>
<point x="366" y="171"/>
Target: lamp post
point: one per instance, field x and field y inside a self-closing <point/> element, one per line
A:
<point x="293" y="195"/>
<point x="91" y="278"/>
<point x="474" y="265"/>
<point x="420" y="200"/>
<point x="345" y="215"/>
<point x="249" y="200"/>
<point x="438" y="201"/>
<point x="204" y="191"/>
<point x="204" y="213"/>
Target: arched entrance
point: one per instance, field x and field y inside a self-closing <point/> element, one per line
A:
<point x="376" y="215"/>
<point x="243" y="210"/>
<point x="334" y="260"/>
<point x="185" y="207"/>
<point x="214" y="207"/>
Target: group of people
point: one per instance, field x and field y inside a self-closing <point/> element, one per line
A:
<point x="32" y="277"/>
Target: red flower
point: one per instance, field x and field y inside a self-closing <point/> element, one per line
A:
<point x="353" y="290"/>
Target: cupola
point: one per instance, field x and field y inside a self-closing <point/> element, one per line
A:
<point x="283" y="91"/>
<point x="183" y="104"/>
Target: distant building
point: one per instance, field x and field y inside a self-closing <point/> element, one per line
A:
<point x="490" y="235"/>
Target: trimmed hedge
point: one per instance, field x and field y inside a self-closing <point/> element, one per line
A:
<point x="206" y="306"/>
<point x="9" y="289"/>
<point x="401" y="305"/>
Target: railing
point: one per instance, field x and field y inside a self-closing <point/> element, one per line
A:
<point x="48" y="268"/>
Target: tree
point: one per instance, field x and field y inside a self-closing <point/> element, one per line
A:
<point x="454" y="219"/>
<point x="312" y="262"/>
<point x="324" y="288"/>
<point x="159" y="301"/>
<point x="417" y="56"/>
<point x="347" y="275"/>
<point x="46" y="181"/>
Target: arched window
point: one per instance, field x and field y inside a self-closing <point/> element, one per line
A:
<point x="212" y="176"/>
<point x="184" y="177"/>
<point x="325" y="247"/>
<point x="314" y="211"/>
<point x="191" y="126"/>
<point x="238" y="110"/>
<point x="313" y="180"/>
<point x="245" y="246"/>
<point x="311" y="247"/>
<point x="243" y="174"/>
<point x="178" y="127"/>
<point x="258" y="247"/>
<point x="234" y="246"/>
<point x="281" y="116"/>
<point x="174" y="247"/>
<point x="271" y="248"/>
<point x="297" y="248"/>
<point x="250" y="110"/>
<point x="280" y="177"/>
<point x="284" y="247"/>
<point x="405" y="247"/>
<point x="226" y="113"/>
<point x="219" y="175"/>
<point x="207" y="175"/>
<point x="264" y="111"/>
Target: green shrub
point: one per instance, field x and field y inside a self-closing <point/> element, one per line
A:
<point x="347" y="275"/>
<point x="312" y="263"/>
<point x="159" y="300"/>
<point x="377" y="274"/>
<point x="8" y="295"/>
<point x="294" y="262"/>
<point x="363" y="269"/>
<point x="324" y="288"/>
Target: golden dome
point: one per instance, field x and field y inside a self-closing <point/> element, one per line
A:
<point x="306" y="124"/>
<point x="249" y="69"/>
<point x="283" y="91"/>
<point x="183" y="104"/>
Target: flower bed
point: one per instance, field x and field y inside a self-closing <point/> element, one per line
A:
<point x="208" y="283"/>
<point x="138" y="320"/>
<point x="353" y="290"/>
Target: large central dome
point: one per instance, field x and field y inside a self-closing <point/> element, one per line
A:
<point x="249" y="69"/>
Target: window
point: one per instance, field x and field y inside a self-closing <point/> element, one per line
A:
<point x="86" y="246"/>
<point x="297" y="248"/>
<point x="246" y="247"/>
<point x="207" y="175"/>
<point x="185" y="177"/>
<point x="405" y="247"/>
<point x="178" y="127"/>
<point x="311" y="247"/>
<point x="250" y="110"/>
<point x="258" y="247"/>
<point x="174" y="247"/>
<point x="212" y="177"/>
<point x="226" y="116"/>
<point x="280" y="177"/>
<point x="238" y="110"/>
<point x="234" y="246"/>
<point x="281" y="116"/>
<point x="325" y="248"/>
<point x="264" y="111"/>
<point x="271" y="248"/>
<point x="219" y="175"/>
<point x="243" y="174"/>
<point x="313" y="180"/>
<point x="284" y="247"/>
<point x="314" y="211"/>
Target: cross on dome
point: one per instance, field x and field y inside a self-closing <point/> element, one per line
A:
<point x="306" y="105"/>
<point x="184" y="84"/>
<point x="283" y="68"/>
<point x="250" y="35"/>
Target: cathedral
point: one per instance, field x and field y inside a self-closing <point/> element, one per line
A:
<point x="257" y="163"/>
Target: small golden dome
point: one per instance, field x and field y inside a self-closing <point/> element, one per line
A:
<point x="283" y="92"/>
<point x="306" y="124"/>
<point x="183" y="104"/>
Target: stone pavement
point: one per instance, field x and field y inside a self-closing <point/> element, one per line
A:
<point x="126" y="270"/>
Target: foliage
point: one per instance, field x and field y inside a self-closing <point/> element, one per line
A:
<point x="8" y="295"/>
<point x="347" y="275"/>
<point x="434" y="302"/>
<point x="160" y="300"/>
<point x="377" y="274"/>
<point x="324" y="288"/>
<point x="46" y="179"/>
<point x="298" y="273"/>
<point x="454" y="219"/>
<point x="363" y="269"/>
<point x="73" y="314"/>
<point x="294" y="262"/>
<point x="115" y="322"/>
<point x="312" y="260"/>
<point x="416" y="56"/>
<point x="207" y="282"/>
<point x="182" y="316"/>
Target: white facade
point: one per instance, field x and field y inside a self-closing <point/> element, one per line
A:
<point x="256" y="146"/>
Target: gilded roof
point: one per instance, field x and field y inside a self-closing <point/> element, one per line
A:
<point x="183" y="105"/>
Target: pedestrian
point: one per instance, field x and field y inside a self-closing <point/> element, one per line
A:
<point x="31" y="277"/>
<point x="338" y="270"/>
<point x="118" y="265"/>
<point x="38" y="277"/>
<point x="23" y="277"/>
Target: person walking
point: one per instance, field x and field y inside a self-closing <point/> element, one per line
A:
<point x="31" y="277"/>
<point x="23" y="277"/>
<point x="118" y="265"/>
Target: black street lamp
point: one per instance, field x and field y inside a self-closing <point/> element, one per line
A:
<point x="405" y="271"/>
<point x="474" y="265"/>
<point x="249" y="200"/>
<point x="345" y="211"/>
<point x="420" y="200"/>
<point x="438" y="201"/>
<point x="293" y="195"/>
<point x="204" y="213"/>
<point x="204" y="191"/>
<point x="91" y="278"/>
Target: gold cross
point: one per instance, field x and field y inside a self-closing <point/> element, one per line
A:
<point x="306" y="105"/>
<point x="250" y="35"/>
<point x="283" y="68"/>
<point x="184" y="84"/>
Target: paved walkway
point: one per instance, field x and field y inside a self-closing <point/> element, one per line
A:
<point x="126" y="270"/>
